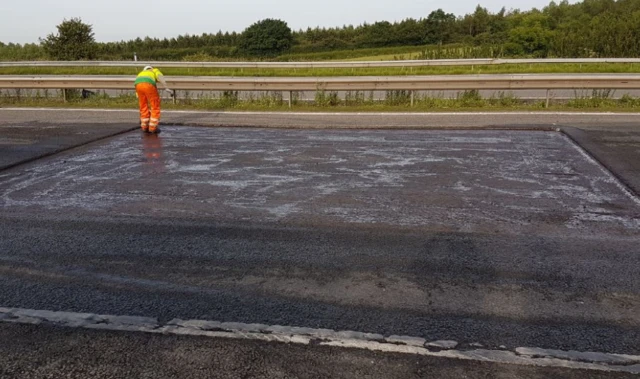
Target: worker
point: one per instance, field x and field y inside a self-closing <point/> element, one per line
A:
<point x="147" y="93"/>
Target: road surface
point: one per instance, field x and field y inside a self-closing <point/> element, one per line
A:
<point x="499" y="239"/>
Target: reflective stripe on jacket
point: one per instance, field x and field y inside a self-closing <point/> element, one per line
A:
<point x="148" y="76"/>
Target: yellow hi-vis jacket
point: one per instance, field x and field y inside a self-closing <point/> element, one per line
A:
<point x="150" y="76"/>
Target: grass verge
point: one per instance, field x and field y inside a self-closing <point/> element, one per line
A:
<point x="395" y="101"/>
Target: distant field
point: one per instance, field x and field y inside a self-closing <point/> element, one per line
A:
<point x="385" y="53"/>
<point x="451" y="70"/>
<point x="452" y="51"/>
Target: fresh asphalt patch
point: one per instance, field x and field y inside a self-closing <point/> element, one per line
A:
<point x="437" y="235"/>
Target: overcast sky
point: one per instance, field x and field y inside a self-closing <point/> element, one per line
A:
<point x="113" y="20"/>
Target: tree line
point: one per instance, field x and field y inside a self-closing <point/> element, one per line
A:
<point x="591" y="28"/>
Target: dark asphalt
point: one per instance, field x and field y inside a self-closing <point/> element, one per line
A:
<point x="441" y="235"/>
<point x="466" y="287"/>
<point x="50" y="352"/>
<point x="82" y="231"/>
<point x="24" y="143"/>
<point x="618" y="150"/>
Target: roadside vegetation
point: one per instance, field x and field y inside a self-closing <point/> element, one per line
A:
<point x="543" y="68"/>
<point x="355" y="101"/>
<point x="591" y="28"/>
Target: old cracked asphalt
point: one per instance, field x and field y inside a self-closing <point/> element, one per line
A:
<point x="50" y="352"/>
<point x="212" y="224"/>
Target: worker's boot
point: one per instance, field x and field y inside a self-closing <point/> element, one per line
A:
<point x="153" y="125"/>
<point x="144" y="125"/>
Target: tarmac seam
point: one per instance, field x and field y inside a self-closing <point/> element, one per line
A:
<point x="525" y="356"/>
<point x="606" y="168"/>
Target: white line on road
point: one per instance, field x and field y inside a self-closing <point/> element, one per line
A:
<point x="427" y="114"/>
<point x="306" y="336"/>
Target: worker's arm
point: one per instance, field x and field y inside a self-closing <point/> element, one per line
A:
<point x="163" y="81"/>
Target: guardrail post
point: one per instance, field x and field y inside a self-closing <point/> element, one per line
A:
<point x="548" y="97"/>
<point x="552" y="82"/>
<point x="173" y="94"/>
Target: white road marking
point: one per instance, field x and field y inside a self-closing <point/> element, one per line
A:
<point x="462" y="113"/>
<point x="526" y="356"/>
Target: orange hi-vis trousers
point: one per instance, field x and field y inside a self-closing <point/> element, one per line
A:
<point x="148" y="96"/>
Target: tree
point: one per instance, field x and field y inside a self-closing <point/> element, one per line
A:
<point x="410" y="32"/>
<point x="480" y="21"/>
<point x="533" y="34"/>
<point x="74" y="41"/>
<point x="378" y="34"/>
<point x="439" y="27"/>
<point x="534" y="40"/>
<point x="268" y="37"/>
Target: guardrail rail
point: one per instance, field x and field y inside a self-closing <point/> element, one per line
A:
<point x="354" y="83"/>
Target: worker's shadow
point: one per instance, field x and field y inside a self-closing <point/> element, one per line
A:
<point x="153" y="154"/>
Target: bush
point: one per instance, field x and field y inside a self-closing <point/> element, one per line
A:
<point x="325" y="99"/>
<point x="398" y="97"/>
<point x="629" y="100"/>
<point x="471" y="98"/>
<point x="229" y="98"/>
<point x="74" y="41"/>
<point x="266" y="38"/>
<point x="198" y="57"/>
<point x="505" y="99"/>
<point x="354" y="98"/>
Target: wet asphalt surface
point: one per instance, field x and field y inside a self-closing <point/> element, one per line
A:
<point x="499" y="238"/>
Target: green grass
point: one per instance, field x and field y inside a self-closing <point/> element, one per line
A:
<point x="398" y="101"/>
<point x="348" y="54"/>
<point x="323" y="72"/>
<point x="388" y="57"/>
<point x="450" y="51"/>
